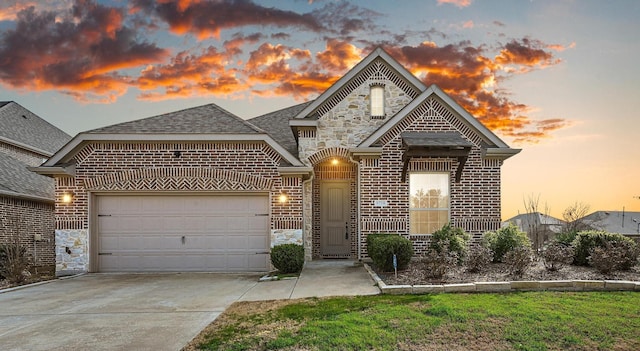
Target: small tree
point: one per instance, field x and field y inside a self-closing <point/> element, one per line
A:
<point x="574" y="217"/>
<point x="536" y="230"/>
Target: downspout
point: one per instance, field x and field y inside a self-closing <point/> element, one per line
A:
<point x="358" y="224"/>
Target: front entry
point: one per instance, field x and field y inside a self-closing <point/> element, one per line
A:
<point x="335" y="226"/>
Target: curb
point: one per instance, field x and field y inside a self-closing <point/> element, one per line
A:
<point x="19" y="287"/>
<point x="509" y="286"/>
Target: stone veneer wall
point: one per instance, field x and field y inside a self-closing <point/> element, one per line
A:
<point x="154" y="167"/>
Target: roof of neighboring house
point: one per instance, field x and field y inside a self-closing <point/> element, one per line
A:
<point x="277" y="125"/>
<point x="535" y="218"/>
<point x="621" y="222"/>
<point x="206" y="119"/>
<point x="23" y="128"/>
<point x="17" y="181"/>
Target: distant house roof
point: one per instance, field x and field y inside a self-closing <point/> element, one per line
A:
<point x="622" y="222"/>
<point x="277" y="125"/>
<point x="204" y="119"/>
<point x="17" y="181"/>
<point x="23" y="128"/>
<point x="531" y="219"/>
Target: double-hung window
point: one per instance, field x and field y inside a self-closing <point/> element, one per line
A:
<point x="429" y="202"/>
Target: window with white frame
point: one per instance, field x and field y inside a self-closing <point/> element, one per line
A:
<point x="428" y="202"/>
<point x="377" y="100"/>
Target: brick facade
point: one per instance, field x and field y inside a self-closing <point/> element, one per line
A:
<point x="154" y="167"/>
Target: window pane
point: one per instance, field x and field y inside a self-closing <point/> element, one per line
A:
<point x="377" y="100"/>
<point x="428" y="202"/>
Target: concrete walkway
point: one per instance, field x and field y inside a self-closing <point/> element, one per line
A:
<point x="318" y="279"/>
<point x="150" y="311"/>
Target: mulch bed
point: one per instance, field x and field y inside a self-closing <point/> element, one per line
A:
<point x="498" y="272"/>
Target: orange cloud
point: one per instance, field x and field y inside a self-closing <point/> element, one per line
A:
<point x="79" y="53"/>
<point x="459" y="3"/>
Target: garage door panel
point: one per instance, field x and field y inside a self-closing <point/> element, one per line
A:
<point x="145" y="233"/>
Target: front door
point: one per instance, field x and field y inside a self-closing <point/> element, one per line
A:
<point x="335" y="236"/>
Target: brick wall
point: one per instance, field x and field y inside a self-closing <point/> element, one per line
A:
<point x="475" y="200"/>
<point x="29" y="218"/>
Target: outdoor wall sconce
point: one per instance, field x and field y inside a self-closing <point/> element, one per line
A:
<point x="283" y="198"/>
<point x="67" y="198"/>
<point x="335" y="161"/>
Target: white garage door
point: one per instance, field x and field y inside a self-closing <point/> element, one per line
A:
<point x="174" y="233"/>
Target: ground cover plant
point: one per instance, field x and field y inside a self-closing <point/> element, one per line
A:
<point x="514" y="321"/>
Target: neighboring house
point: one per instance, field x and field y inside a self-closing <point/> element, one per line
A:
<point x="538" y="226"/>
<point x="626" y="223"/>
<point x="26" y="198"/>
<point x="203" y="190"/>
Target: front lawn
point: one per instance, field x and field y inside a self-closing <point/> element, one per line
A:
<point x="514" y="321"/>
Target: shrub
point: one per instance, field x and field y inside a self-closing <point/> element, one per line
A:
<point x="382" y="247"/>
<point x="288" y="258"/>
<point x="504" y="240"/>
<point x="613" y="256"/>
<point x="435" y="264"/>
<point x="586" y="241"/>
<point x="455" y="239"/>
<point x="555" y="255"/>
<point x="518" y="260"/>
<point x="566" y="238"/>
<point x="478" y="259"/>
<point x="14" y="262"/>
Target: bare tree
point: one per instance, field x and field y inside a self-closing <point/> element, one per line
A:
<point x="574" y="217"/>
<point x="537" y="231"/>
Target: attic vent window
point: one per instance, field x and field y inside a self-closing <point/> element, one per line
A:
<point x="377" y="101"/>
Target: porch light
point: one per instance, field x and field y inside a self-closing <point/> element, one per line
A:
<point x="335" y="161"/>
<point x="282" y="198"/>
<point x="67" y="198"/>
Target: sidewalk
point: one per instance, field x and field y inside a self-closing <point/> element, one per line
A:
<point x="317" y="279"/>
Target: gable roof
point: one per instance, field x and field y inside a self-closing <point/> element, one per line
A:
<point x="23" y="128"/>
<point x="378" y="53"/>
<point x="17" y="181"/>
<point x="495" y="146"/>
<point x="203" y="123"/>
<point x="622" y="222"/>
<point x="204" y="119"/>
<point x="277" y="125"/>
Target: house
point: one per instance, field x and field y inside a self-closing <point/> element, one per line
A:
<point x="625" y="223"/>
<point x="26" y="198"/>
<point x="539" y="227"/>
<point x="203" y="190"/>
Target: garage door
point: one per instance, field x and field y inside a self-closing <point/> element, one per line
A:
<point x="182" y="233"/>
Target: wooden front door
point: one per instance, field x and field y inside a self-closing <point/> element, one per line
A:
<point x="335" y="236"/>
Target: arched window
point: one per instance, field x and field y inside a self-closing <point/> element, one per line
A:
<point x="377" y="101"/>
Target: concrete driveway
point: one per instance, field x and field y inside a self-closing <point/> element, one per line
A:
<point x="150" y="311"/>
<point x="116" y="312"/>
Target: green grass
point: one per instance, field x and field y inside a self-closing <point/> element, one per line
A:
<point x="515" y="321"/>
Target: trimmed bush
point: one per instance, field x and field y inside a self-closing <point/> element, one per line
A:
<point x="288" y="258"/>
<point x="435" y="264"/>
<point x="504" y="240"/>
<point x="555" y="255"/>
<point x="518" y="260"/>
<point x="455" y="239"/>
<point x="613" y="256"/>
<point x="478" y="259"/>
<point x="586" y="241"/>
<point x="382" y="247"/>
<point x="566" y="238"/>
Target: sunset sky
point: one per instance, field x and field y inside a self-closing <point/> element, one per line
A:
<point x="558" y="78"/>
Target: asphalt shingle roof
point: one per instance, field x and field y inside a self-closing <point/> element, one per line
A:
<point x="448" y="139"/>
<point x="276" y="124"/>
<point x="206" y="119"/>
<point x="15" y="177"/>
<point x="23" y="126"/>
